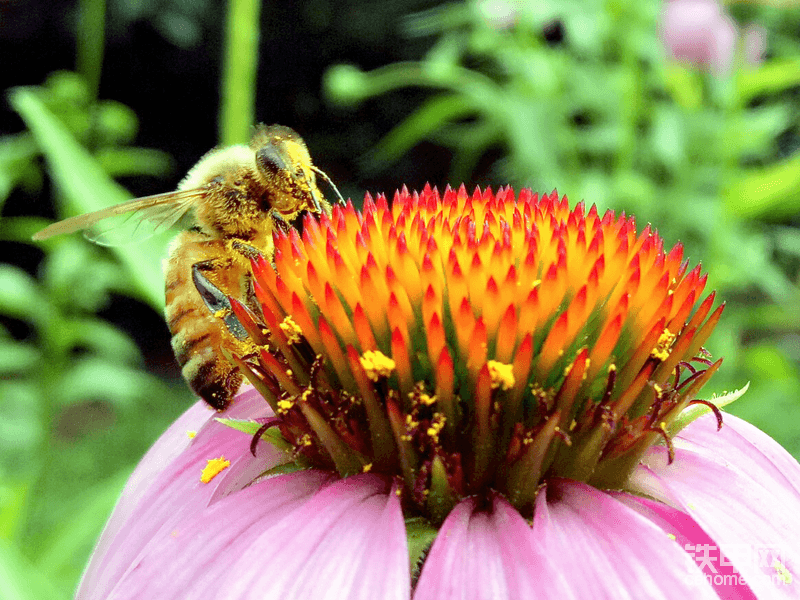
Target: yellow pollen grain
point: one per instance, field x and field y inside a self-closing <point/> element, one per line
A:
<point x="536" y="283"/>
<point x="501" y="374"/>
<point x="567" y="369"/>
<point x="427" y="400"/>
<point x="436" y="427"/>
<point x="306" y="394"/>
<point x="612" y="367"/>
<point x="366" y="468"/>
<point x="405" y="437"/>
<point x="306" y="440"/>
<point x="672" y="536"/>
<point x="376" y="364"/>
<point x="191" y="434"/>
<point x="573" y="425"/>
<point x="214" y="467"/>
<point x="222" y="313"/>
<point x="663" y="345"/>
<point x="657" y="389"/>
<point x="291" y="330"/>
<point x="284" y="406"/>
<point x="783" y="573"/>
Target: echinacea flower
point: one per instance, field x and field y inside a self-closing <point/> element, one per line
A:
<point x="467" y="396"/>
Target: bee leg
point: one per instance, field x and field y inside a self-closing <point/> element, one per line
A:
<point x="217" y="302"/>
<point x="246" y="250"/>
<point x="280" y="222"/>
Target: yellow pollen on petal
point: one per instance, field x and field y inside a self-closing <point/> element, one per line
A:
<point x="663" y="345"/>
<point x="191" y="434"/>
<point x="222" y="313"/>
<point x="672" y="536"/>
<point x="306" y="440"/>
<point x="214" y="467"/>
<point x="366" y="468"/>
<point x="783" y="573"/>
<point x="657" y="389"/>
<point x="305" y="395"/>
<point x="376" y="364"/>
<point x="291" y="330"/>
<point x="501" y="374"/>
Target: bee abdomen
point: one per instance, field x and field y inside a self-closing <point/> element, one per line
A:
<point x="198" y="334"/>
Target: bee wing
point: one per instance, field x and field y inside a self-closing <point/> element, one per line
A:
<point x="127" y="222"/>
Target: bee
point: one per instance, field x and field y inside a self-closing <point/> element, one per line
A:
<point x="237" y="197"/>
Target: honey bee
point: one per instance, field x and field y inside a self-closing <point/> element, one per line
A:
<point x="237" y="196"/>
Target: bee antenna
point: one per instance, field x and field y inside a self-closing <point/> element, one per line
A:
<point x="327" y="179"/>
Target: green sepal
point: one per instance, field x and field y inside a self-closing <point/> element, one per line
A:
<point x="271" y="435"/>
<point x="420" y="535"/>
<point x="690" y="413"/>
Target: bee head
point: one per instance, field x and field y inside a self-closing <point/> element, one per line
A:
<point x="282" y="159"/>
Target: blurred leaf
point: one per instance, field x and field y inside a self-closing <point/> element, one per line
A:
<point x="19" y="580"/>
<point x="20" y="229"/>
<point x="754" y="131"/>
<point x="103" y="339"/>
<point x="116" y="123"/>
<point x="94" y="378"/>
<point x="16" y="357"/>
<point x="88" y="188"/>
<point x="21" y="423"/>
<point x="64" y="552"/>
<point x="772" y="76"/>
<point x="79" y="276"/>
<point x="123" y="162"/>
<point x="433" y="114"/>
<point x="21" y="297"/>
<point x="15" y="151"/>
<point x="13" y="496"/>
<point x="770" y="193"/>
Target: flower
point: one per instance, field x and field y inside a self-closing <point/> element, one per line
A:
<point x="701" y="32"/>
<point x="497" y="387"/>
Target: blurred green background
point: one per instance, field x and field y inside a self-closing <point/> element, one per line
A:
<point x="110" y="99"/>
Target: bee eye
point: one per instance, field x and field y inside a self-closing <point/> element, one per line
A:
<point x="269" y="161"/>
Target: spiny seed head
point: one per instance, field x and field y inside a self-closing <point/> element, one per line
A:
<point x="461" y="343"/>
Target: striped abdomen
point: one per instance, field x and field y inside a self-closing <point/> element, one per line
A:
<point x="200" y="271"/>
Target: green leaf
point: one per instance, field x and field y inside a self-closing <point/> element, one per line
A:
<point x="87" y="188"/>
<point x="124" y="162"/>
<point x="21" y="297"/>
<point x="771" y="193"/>
<point x="429" y="117"/>
<point x="16" y="357"/>
<point x="770" y="77"/>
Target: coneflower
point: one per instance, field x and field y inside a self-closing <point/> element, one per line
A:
<point x="467" y="396"/>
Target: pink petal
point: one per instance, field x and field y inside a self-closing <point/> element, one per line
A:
<point x="487" y="554"/>
<point x="718" y="570"/>
<point x="699" y="32"/>
<point x="741" y="488"/>
<point x="167" y="482"/>
<point x="609" y="550"/>
<point x="282" y="539"/>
